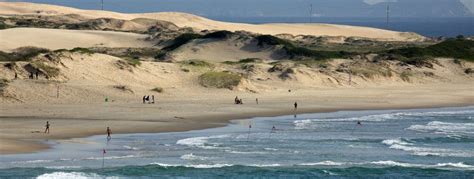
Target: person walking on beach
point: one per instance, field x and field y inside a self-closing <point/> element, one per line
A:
<point x="152" y="99"/>
<point x="47" y="127"/>
<point x="296" y="105"/>
<point x="109" y="132"/>
<point x="256" y="100"/>
<point x="144" y="98"/>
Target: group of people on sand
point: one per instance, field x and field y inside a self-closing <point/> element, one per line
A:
<point x="238" y="100"/>
<point x="147" y="99"/>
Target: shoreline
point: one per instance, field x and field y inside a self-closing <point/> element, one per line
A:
<point x="213" y="121"/>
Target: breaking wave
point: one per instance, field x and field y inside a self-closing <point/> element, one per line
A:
<point x="444" y="128"/>
<point x="406" y="145"/>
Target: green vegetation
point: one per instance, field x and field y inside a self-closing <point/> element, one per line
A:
<point x="218" y="35"/>
<point x="3" y="84"/>
<point x="134" y="62"/>
<point x="451" y="48"/>
<point x="22" y="54"/>
<point x="314" y="63"/>
<point x="158" y="89"/>
<point x="370" y="72"/>
<point x="405" y="76"/>
<point x="82" y="50"/>
<point x="272" y="40"/>
<point x="286" y="74"/>
<point x="4" y="26"/>
<point x="469" y="71"/>
<point x="123" y="88"/>
<point x="49" y="71"/>
<point x="181" y="40"/>
<point x="244" y="61"/>
<point x="187" y="37"/>
<point x="220" y="79"/>
<point x="197" y="63"/>
<point x="295" y="51"/>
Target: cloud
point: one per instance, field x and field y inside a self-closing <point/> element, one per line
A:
<point x="469" y="4"/>
<point x="373" y="2"/>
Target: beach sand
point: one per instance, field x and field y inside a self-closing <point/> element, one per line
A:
<point x="22" y="124"/>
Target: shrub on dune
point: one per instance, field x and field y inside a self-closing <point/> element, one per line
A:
<point x="227" y="80"/>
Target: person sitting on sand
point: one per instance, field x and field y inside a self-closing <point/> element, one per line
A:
<point x="236" y="100"/>
<point x="109" y="132"/>
<point x="47" y="127"/>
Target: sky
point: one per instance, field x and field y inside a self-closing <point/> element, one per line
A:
<point x="284" y="8"/>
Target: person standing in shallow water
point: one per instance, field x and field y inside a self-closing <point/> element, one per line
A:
<point x="47" y="127"/>
<point x="109" y="132"/>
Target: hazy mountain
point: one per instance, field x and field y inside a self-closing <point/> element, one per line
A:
<point x="285" y="8"/>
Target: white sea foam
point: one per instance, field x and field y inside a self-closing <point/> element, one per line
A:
<point x="439" y="165"/>
<point x="266" y="165"/>
<point x="192" y="157"/>
<point x="458" y="165"/>
<point x="398" y="141"/>
<point x="303" y="124"/>
<point x="33" y="161"/>
<point x="202" y="142"/>
<point x="75" y="175"/>
<point x="194" y="166"/>
<point x="329" y="173"/>
<point x="393" y="163"/>
<point x="308" y="123"/>
<point x="271" y="149"/>
<point x="130" y="148"/>
<point x="245" y="152"/>
<point x="400" y="144"/>
<point x="324" y="163"/>
<point x="444" y="127"/>
<point x="63" y="167"/>
<point x="111" y="157"/>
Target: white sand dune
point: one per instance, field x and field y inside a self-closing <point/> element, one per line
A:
<point x="67" y="39"/>
<point x="200" y="23"/>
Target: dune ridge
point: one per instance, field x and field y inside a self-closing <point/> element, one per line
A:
<point x="201" y="23"/>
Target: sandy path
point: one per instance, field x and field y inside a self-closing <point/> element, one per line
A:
<point x="187" y="111"/>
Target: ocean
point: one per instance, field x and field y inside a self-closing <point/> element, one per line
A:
<point x="429" y="27"/>
<point x="417" y="143"/>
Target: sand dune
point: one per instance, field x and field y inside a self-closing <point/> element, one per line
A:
<point x="200" y="23"/>
<point x="67" y="39"/>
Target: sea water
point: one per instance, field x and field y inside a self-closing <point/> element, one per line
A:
<point x="421" y="143"/>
